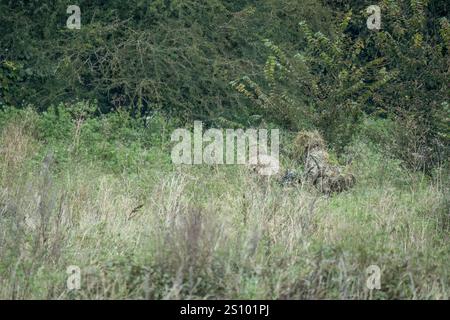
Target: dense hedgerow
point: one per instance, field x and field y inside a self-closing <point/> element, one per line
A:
<point x="171" y="56"/>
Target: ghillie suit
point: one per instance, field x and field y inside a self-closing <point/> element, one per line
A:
<point x="290" y="177"/>
<point x="310" y="149"/>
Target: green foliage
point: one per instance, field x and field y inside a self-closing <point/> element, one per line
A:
<point x="117" y="141"/>
<point x="11" y="76"/>
<point x="399" y="72"/>
<point x="108" y="96"/>
<point x="208" y="232"/>
<point x="415" y="45"/>
<point x="177" y="58"/>
<point x="174" y="57"/>
<point x="325" y="85"/>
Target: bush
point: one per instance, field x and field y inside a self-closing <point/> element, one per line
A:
<point x="173" y="57"/>
<point x="325" y="86"/>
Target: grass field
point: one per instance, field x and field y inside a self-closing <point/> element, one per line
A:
<point x="140" y="228"/>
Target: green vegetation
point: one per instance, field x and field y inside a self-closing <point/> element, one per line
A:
<point x="86" y="177"/>
<point x="113" y="205"/>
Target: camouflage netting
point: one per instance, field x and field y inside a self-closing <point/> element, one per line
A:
<point x="311" y="151"/>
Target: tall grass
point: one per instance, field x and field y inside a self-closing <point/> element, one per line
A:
<point x="164" y="232"/>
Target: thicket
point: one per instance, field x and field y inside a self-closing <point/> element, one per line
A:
<point x="175" y="56"/>
<point x="308" y="64"/>
<point x="334" y="82"/>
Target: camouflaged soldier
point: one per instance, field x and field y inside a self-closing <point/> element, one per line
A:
<point x="311" y="150"/>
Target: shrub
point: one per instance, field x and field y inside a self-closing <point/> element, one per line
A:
<point x="324" y="86"/>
